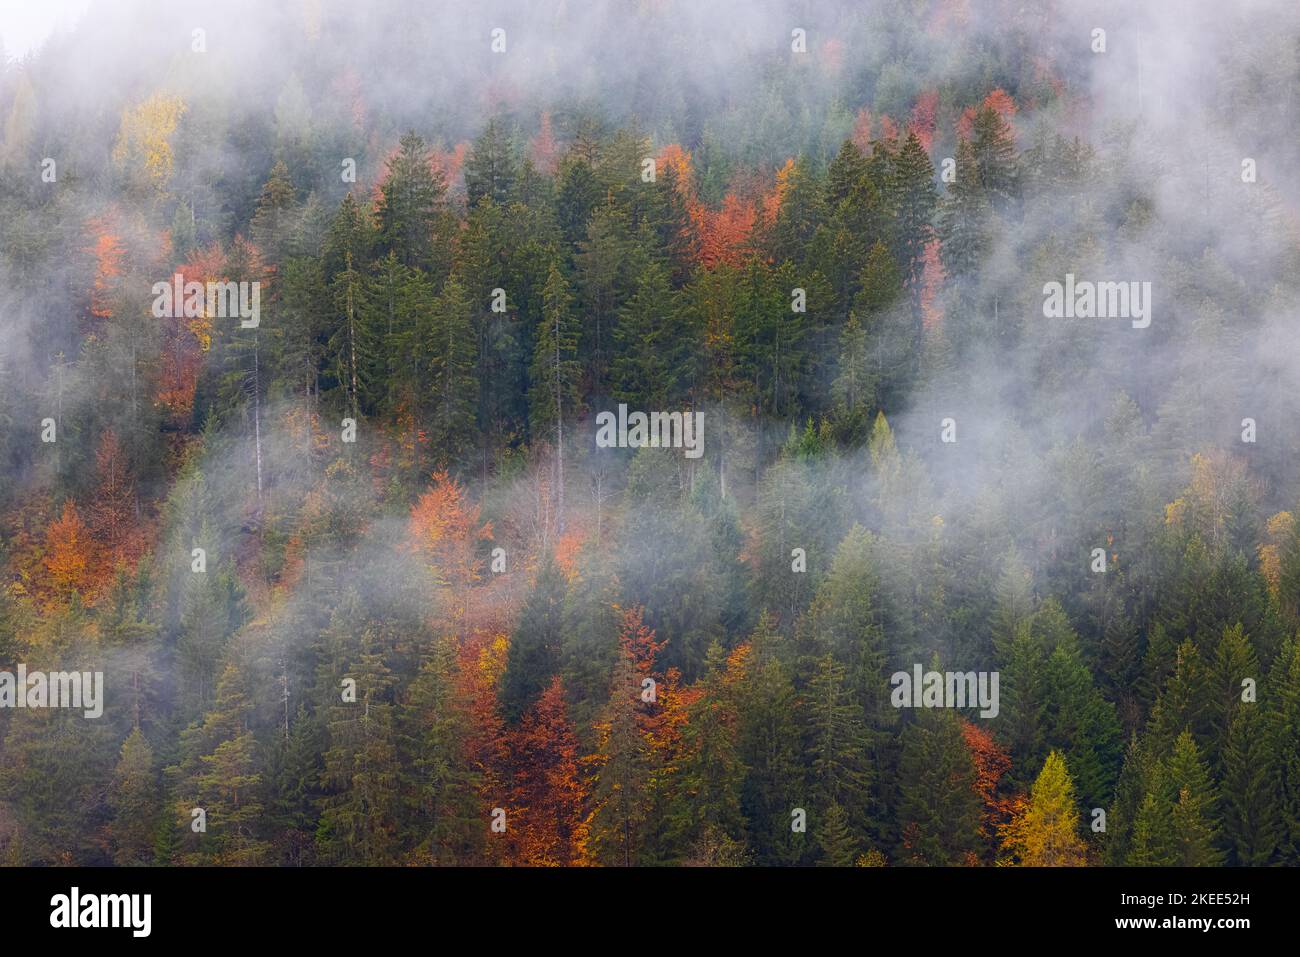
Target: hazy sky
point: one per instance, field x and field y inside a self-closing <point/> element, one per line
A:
<point x="25" y="24"/>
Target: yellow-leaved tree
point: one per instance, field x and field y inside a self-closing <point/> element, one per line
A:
<point x="143" y="151"/>
<point x="1046" y="832"/>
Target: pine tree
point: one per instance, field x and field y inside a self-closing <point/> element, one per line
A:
<point x="556" y="371"/>
<point x="913" y="199"/>
<point x="837" y="741"/>
<point x="1250" y="787"/>
<point x="1193" y="806"/>
<point x="706" y="810"/>
<point x="647" y="371"/>
<point x="894" y="348"/>
<point x="1234" y="661"/>
<point x="577" y="194"/>
<point x="1284" y="689"/>
<point x="1023" y="691"/>
<point x="845" y="174"/>
<point x="620" y="817"/>
<point x="938" y="807"/>
<point x="394" y="308"/>
<point x="410" y="204"/>
<point x="492" y="168"/>
<point x="361" y="772"/>
<point x="452" y="424"/>
<point x="1131" y="790"/>
<point x="220" y="772"/>
<point x="993" y="149"/>
<point x="770" y="339"/>
<point x="293" y="774"/>
<point x="134" y="800"/>
<point x="844" y="620"/>
<point x="1154" y="841"/>
<point x="1080" y="722"/>
<point x="768" y="741"/>
<point x="535" y="644"/>
<point x="1182" y="704"/>
<point x="965" y="217"/>
<point x="212" y="610"/>
<point x="434" y="724"/>
<point x="854" y="388"/>
<point x="838" y="845"/>
<point x="272" y="222"/>
<point x="353" y="345"/>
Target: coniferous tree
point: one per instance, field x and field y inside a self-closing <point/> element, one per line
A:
<point x="535" y="643"/>
<point x="768" y="739"/>
<point x="838" y="844"/>
<point x="1249" y="789"/>
<point x="1047" y="835"/>
<point x="220" y="772"/>
<point x="434" y="723"/>
<point x="134" y="799"/>
<point x="840" y="771"/>
<point x="1284" y="684"/>
<point x="272" y="222"/>
<point x="706" y="813"/>
<point x="1193" y="806"/>
<point x="556" y="371"/>
<point x="361" y="767"/>
<point x="451" y="418"/>
<point x="491" y="169"/>
<point x="409" y="208"/>
<point x="938" y="806"/>
<point x="620" y="818"/>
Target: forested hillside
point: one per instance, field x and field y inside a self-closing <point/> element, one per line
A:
<point x="364" y="586"/>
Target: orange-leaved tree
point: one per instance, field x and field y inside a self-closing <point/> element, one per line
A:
<point x="544" y="823"/>
<point x="70" y="553"/>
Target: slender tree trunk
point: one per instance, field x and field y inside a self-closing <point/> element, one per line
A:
<point x="257" y="414"/>
<point x="559" y="430"/>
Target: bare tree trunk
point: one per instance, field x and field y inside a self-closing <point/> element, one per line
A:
<point x="257" y="415"/>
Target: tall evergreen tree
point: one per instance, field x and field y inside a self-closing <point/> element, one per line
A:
<point x="410" y="206"/>
<point x="938" y="806"/>
<point x="534" y="655"/>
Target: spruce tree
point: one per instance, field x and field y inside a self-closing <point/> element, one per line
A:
<point x="535" y="643"/>
<point x="620" y="816"/>
<point x="272" y="224"/>
<point x="433" y="724"/>
<point x="1252" y="825"/>
<point x="410" y="202"/>
<point x="556" y="371"/>
<point x="492" y="168"/>
<point x="1193" y="806"/>
<point x="453" y="347"/>
<point x="768" y="740"/>
<point x="361" y="770"/>
<point x="134" y="800"/>
<point x="838" y="845"/>
<point x="938" y="807"/>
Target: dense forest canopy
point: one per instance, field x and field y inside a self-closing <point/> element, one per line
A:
<point x="367" y="585"/>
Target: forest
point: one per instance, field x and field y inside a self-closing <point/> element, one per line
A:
<point x="366" y="583"/>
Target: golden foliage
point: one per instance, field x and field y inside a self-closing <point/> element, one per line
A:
<point x="143" y="149"/>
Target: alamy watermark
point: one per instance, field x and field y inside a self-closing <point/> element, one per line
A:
<point x="639" y="430"/>
<point x="946" y="689"/>
<point x="179" y="299"/>
<point x="74" y="909"/>
<point x="1098" y="300"/>
<point x="56" y="689"/>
